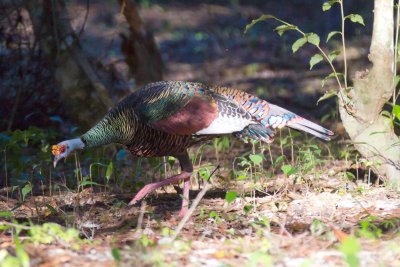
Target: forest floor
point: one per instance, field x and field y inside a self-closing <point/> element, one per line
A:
<point x="318" y="218"/>
<point x="325" y="221"/>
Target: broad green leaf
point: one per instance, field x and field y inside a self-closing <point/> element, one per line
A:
<point x="230" y="196"/>
<point x="247" y="208"/>
<point x="356" y="18"/>
<point x="26" y="190"/>
<point x="396" y="111"/>
<point x="350" y="248"/>
<point x="332" y="55"/>
<point x="299" y="43"/>
<point x="116" y="255"/>
<point x="22" y="255"/>
<point x="204" y="173"/>
<point x="256" y="158"/>
<point x="313" y="38"/>
<point x="327" y="5"/>
<point x="331" y="34"/>
<point x="109" y="170"/>
<point x="255" y="21"/>
<point x="327" y="95"/>
<point x="213" y="214"/>
<point x="315" y="59"/>
<point x="280" y="159"/>
<point x="288" y="169"/>
<point x="283" y="28"/>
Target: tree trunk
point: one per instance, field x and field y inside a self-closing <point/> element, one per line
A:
<point x="81" y="91"/>
<point x="139" y="47"/>
<point x="85" y="84"/>
<point x="371" y="132"/>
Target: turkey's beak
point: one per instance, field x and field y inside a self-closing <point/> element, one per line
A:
<point x="56" y="159"/>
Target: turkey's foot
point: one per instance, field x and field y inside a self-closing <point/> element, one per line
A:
<point x="174" y="179"/>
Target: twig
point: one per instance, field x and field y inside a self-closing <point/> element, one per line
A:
<point x="283" y="230"/>
<point x="182" y="223"/>
<point x="85" y="19"/>
<point x="344" y="45"/>
<point x="141" y="215"/>
<point x="195" y="203"/>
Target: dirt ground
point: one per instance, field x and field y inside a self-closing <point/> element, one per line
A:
<point x="289" y="225"/>
<point x="283" y="221"/>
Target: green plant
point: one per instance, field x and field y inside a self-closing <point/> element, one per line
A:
<point x="21" y="258"/>
<point x="361" y="106"/>
<point x="262" y="225"/>
<point x="317" y="228"/>
<point x="214" y="215"/>
<point x="288" y="170"/>
<point x="145" y="241"/>
<point x="221" y="144"/>
<point x="116" y="254"/>
<point x="350" y="248"/>
<point x="310" y="157"/>
<point x="24" y="166"/>
<point x="261" y="256"/>
<point x="230" y="196"/>
<point x="369" y="229"/>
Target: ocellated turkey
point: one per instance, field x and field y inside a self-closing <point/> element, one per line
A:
<point x="168" y="117"/>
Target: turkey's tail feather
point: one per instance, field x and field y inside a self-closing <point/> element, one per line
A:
<point x="279" y="117"/>
<point x="312" y="128"/>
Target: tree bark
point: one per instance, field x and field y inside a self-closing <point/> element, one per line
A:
<point x="371" y="132"/>
<point x="139" y="47"/>
<point x="85" y="84"/>
<point x="81" y="90"/>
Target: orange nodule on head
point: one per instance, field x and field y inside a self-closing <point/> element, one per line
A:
<point x="57" y="150"/>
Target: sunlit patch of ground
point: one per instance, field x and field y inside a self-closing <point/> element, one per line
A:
<point x="290" y="225"/>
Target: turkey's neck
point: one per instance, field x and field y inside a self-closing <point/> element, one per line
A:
<point x="118" y="126"/>
<point x="76" y="144"/>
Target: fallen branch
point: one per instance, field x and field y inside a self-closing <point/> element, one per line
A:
<point x="141" y="215"/>
<point x="195" y="203"/>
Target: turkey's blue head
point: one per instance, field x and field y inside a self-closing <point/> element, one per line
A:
<point x="63" y="149"/>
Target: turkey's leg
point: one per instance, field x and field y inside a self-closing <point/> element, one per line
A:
<point x="187" y="169"/>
